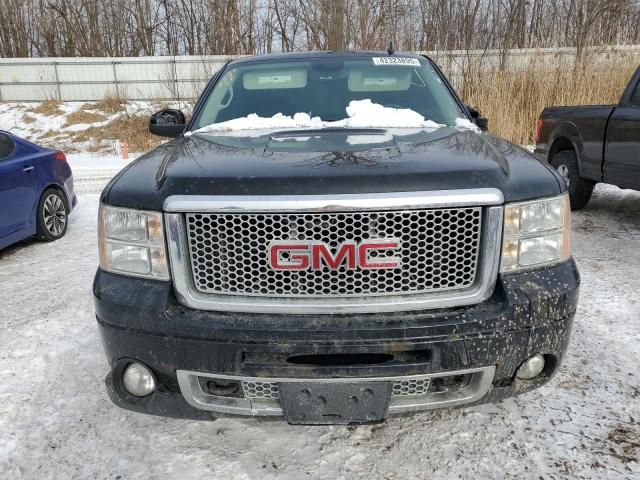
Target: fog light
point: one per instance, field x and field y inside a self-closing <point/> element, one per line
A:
<point x="138" y="380"/>
<point x="531" y="367"/>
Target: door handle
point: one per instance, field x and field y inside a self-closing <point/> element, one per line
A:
<point x="28" y="169"/>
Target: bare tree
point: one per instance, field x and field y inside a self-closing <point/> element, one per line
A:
<point x="175" y="27"/>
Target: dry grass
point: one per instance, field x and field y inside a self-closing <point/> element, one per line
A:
<point x="27" y="119"/>
<point x="49" y="134"/>
<point x="110" y="104"/>
<point x="48" y="107"/>
<point x="512" y="101"/>
<point x="82" y="116"/>
<point x="133" y="129"/>
<point x="126" y="127"/>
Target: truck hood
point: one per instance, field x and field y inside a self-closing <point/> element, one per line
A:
<point x="330" y="162"/>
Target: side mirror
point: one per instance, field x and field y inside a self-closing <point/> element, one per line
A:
<point x="481" y="122"/>
<point x="167" y="123"/>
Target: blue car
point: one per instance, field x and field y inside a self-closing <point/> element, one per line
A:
<point x="36" y="191"/>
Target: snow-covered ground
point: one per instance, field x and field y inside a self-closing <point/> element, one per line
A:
<point x="83" y="127"/>
<point x="57" y="422"/>
<point x="92" y="171"/>
<point x="26" y="120"/>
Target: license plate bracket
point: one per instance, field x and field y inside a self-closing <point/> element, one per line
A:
<point x="342" y="403"/>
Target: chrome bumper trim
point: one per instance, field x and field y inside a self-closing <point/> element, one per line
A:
<point x="195" y="396"/>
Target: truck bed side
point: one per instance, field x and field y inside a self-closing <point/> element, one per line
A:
<point x="578" y="128"/>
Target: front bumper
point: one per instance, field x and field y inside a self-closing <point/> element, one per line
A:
<point x="484" y="344"/>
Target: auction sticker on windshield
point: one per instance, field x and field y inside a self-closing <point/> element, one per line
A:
<point x="404" y="61"/>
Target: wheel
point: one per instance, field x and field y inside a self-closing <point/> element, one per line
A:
<point x="580" y="190"/>
<point x="52" y="215"/>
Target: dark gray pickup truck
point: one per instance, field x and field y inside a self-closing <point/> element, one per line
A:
<point x="593" y="143"/>
<point x="278" y="259"/>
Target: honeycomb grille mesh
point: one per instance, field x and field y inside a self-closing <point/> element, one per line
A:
<point x="409" y="387"/>
<point x="439" y="250"/>
<point x="404" y="388"/>
<point x="260" y="389"/>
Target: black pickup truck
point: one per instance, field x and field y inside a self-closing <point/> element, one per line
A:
<point x="593" y="143"/>
<point x="331" y="238"/>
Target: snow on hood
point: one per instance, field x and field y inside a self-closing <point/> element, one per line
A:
<point x="368" y="139"/>
<point x="465" y="124"/>
<point x="255" y="122"/>
<point x="366" y="114"/>
<point x="360" y="114"/>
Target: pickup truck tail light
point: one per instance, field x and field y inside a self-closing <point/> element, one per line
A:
<point x="539" y="125"/>
<point x="536" y="233"/>
<point x="131" y="242"/>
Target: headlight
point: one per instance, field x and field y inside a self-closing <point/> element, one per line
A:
<point x="132" y="242"/>
<point x="536" y="233"/>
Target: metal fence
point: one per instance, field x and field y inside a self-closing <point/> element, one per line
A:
<point x="90" y="79"/>
<point x="183" y="77"/>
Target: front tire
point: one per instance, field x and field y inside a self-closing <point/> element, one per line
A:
<point x="52" y="216"/>
<point x="580" y="190"/>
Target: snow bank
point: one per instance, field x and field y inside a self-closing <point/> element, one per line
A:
<point x="360" y="114"/>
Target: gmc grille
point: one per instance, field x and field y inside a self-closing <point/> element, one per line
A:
<point x="439" y="251"/>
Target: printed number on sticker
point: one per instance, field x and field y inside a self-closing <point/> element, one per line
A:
<point x="404" y="61"/>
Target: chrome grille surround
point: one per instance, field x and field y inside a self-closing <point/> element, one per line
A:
<point x="435" y="221"/>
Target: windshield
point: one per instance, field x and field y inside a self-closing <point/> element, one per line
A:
<point x="323" y="88"/>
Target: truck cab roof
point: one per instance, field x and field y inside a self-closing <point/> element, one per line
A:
<point x="322" y="54"/>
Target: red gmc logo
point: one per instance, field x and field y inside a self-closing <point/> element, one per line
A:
<point x="310" y="255"/>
